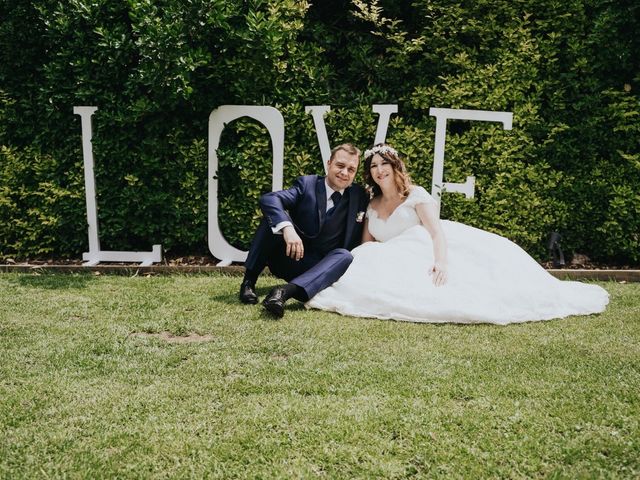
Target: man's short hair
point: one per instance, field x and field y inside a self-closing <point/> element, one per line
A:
<point x="347" y="147"/>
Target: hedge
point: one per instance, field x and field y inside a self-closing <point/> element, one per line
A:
<point x="569" y="71"/>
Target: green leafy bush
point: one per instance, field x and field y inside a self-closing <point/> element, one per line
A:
<point x="38" y="205"/>
<point x="569" y="71"/>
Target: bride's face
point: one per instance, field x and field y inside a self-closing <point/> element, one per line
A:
<point x="382" y="171"/>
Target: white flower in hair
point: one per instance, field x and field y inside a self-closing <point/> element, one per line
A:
<point x="380" y="149"/>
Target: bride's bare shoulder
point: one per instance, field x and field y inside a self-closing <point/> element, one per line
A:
<point x="418" y="191"/>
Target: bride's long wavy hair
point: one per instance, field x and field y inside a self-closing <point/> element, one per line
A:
<point x="401" y="176"/>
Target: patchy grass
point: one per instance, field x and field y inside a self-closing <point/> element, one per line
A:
<point x="92" y="386"/>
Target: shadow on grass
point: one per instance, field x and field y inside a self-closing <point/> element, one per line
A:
<point x="232" y="298"/>
<point x="53" y="281"/>
<point x="291" y="307"/>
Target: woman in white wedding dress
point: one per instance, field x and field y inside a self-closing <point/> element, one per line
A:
<point x="414" y="267"/>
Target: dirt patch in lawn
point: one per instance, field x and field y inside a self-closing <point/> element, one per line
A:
<point x="171" y="338"/>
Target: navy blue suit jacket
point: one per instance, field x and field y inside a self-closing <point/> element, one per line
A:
<point x="305" y="204"/>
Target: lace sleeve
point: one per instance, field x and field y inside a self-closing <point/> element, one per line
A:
<point x="419" y="195"/>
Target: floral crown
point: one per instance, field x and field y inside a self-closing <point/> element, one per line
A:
<point x="381" y="150"/>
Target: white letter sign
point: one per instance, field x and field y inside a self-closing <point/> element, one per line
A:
<point x="442" y="115"/>
<point x="319" y="111"/>
<point x="95" y="255"/>
<point x="270" y="118"/>
<point x="385" y="112"/>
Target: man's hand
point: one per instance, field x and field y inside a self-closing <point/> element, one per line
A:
<point x="439" y="273"/>
<point x="295" y="248"/>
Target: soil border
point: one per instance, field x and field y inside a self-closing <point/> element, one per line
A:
<point x="237" y="270"/>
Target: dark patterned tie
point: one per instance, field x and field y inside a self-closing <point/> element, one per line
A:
<point x="335" y="196"/>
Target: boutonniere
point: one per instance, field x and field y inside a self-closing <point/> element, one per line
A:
<point x="359" y="217"/>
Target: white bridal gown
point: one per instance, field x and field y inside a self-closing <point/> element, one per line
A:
<point x="490" y="278"/>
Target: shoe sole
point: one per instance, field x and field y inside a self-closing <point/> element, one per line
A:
<point x="249" y="301"/>
<point x="274" y="309"/>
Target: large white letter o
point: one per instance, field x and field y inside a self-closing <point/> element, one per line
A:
<point x="270" y="118"/>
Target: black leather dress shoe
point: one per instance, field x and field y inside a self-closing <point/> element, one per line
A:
<point x="247" y="295"/>
<point x="274" y="302"/>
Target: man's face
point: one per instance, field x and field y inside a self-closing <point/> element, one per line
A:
<point x="341" y="170"/>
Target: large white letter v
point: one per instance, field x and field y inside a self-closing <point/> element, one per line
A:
<point x="319" y="111"/>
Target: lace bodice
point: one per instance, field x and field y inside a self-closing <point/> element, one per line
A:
<point x="402" y="218"/>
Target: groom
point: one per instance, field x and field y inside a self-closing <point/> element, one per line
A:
<point x="306" y="233"/>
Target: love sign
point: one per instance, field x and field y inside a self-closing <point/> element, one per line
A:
<point x="272" y="119"/>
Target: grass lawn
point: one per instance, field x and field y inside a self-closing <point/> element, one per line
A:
<point x="84" y="395"/>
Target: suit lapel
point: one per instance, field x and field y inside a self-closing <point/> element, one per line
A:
<point x="321" y="197"/>
<point x="351" y="215"/>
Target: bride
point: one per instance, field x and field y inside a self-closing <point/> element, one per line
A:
<point x="413" y="267"/>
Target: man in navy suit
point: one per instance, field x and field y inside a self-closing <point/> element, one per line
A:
<point x="307" y="232"/>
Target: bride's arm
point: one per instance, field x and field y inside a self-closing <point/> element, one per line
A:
<point x="366" y="235"/>
<point x="428" y="213"/>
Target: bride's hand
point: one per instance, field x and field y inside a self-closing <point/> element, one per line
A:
<point x="439" y="274"/>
